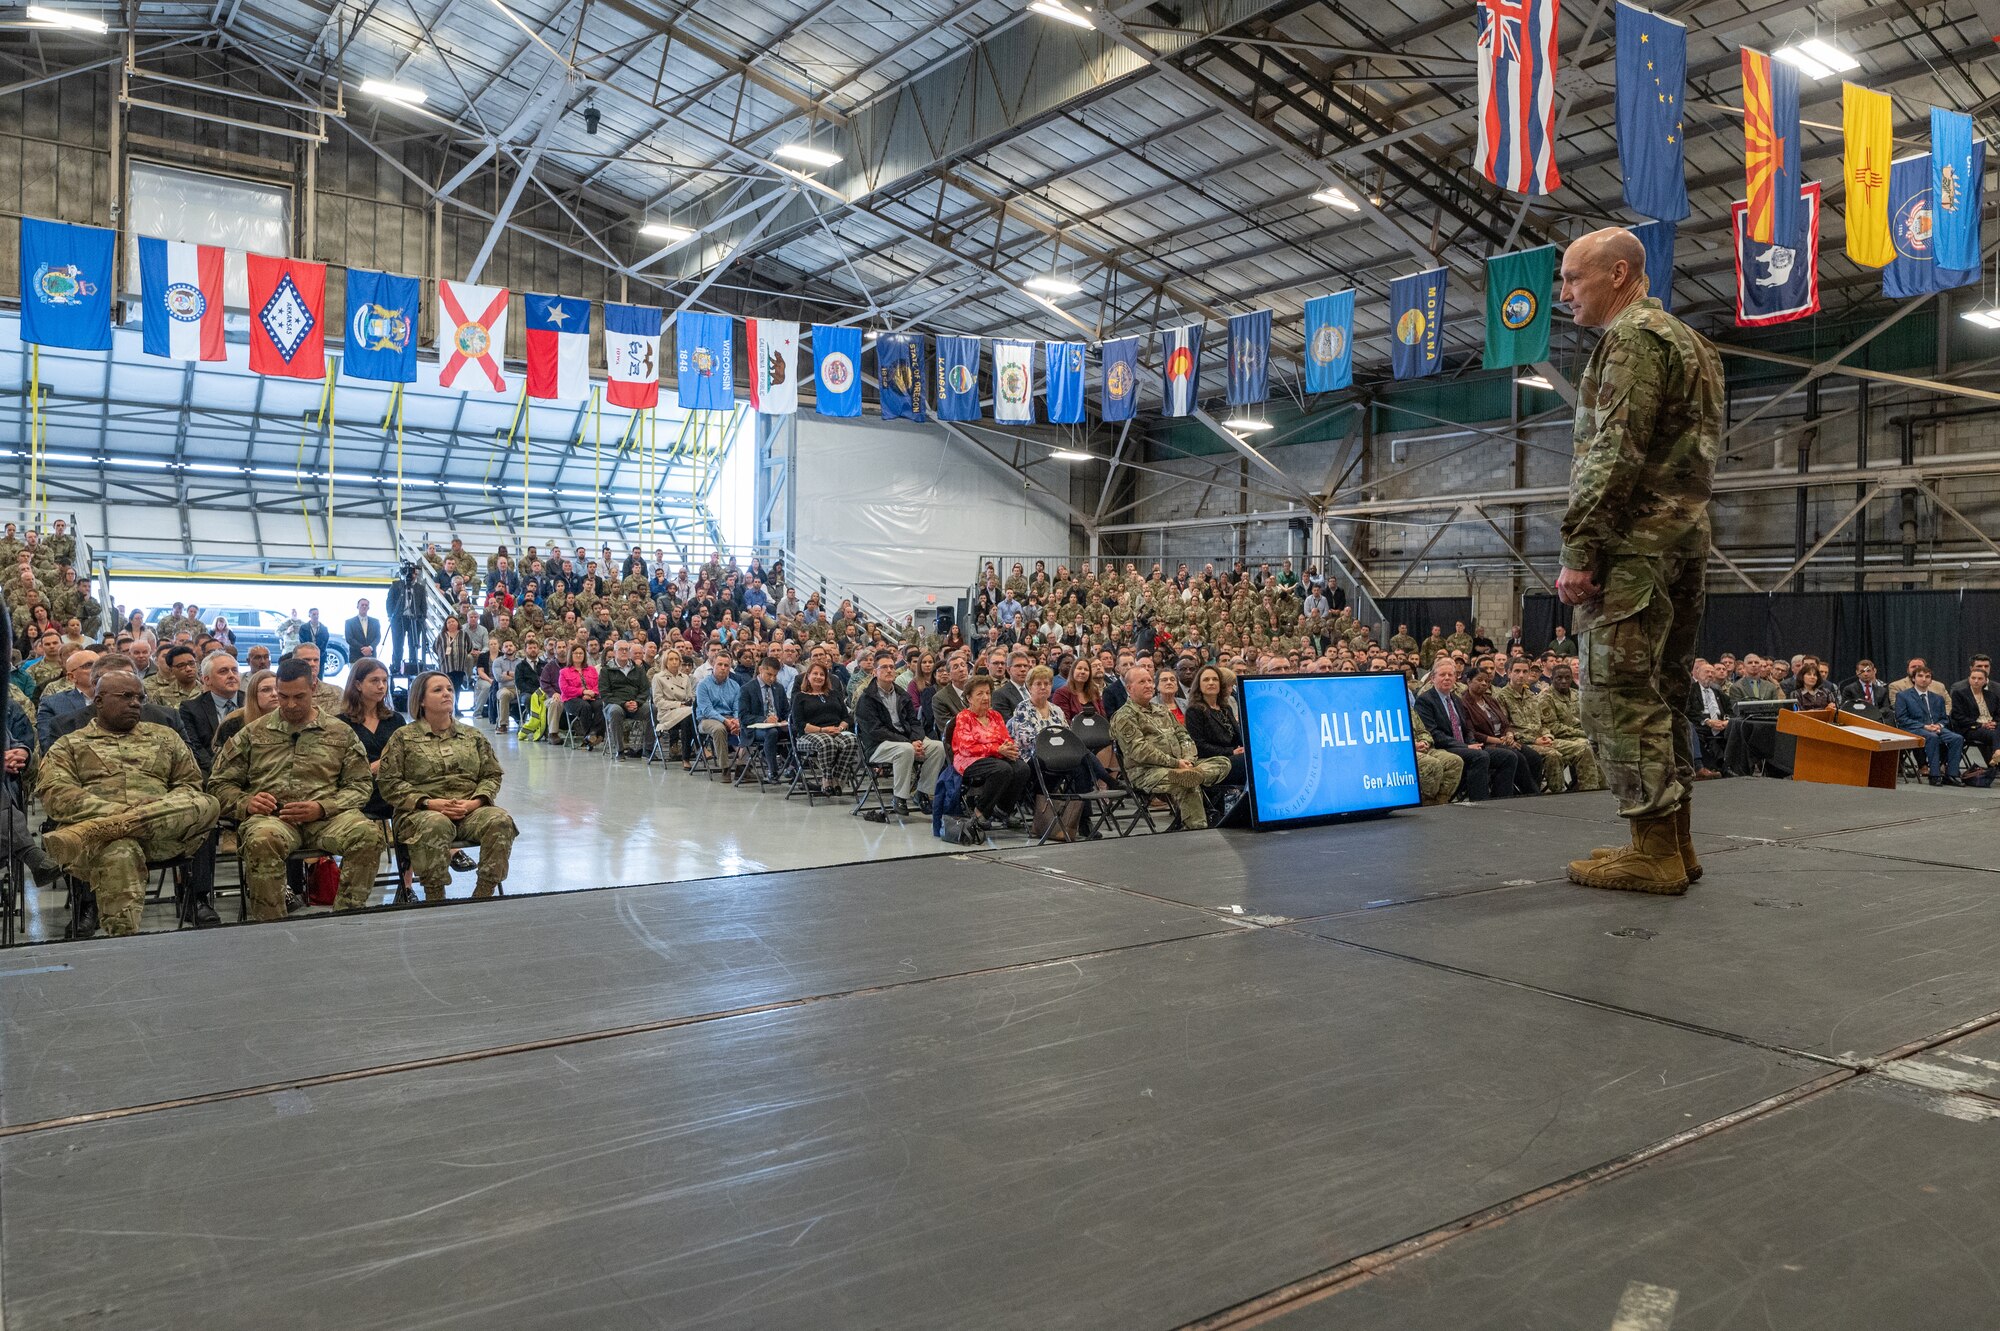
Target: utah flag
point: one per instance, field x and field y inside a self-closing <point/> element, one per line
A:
<point x="287" y="317"/>
<point x="774" y="366"/>
<point x="181" y="294"/>
<point x="558" y="337"/>
<point x="632" y="355"/>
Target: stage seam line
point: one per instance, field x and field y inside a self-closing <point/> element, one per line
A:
<point x="1884" y="855"/>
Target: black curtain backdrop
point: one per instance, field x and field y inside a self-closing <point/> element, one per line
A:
<point x="1420" y="612"/>
<point x="1539" y="617"/>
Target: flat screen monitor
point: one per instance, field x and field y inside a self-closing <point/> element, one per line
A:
<point x="1320" y="746"/>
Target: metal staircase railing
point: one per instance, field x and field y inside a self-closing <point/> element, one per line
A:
<point x="805" y="579"/>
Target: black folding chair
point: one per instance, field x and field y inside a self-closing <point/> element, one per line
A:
<point x="872" y="792"/>
<point x="1121" y="779"/>
<point x="1058" y="753"/>
<point x="707" y="762"/>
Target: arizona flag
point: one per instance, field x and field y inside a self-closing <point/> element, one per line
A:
<point x="287" y="317"/>
<point x="1771" y="148"/>
<point x="558" y="342"/>
<point x="632" y="355"/>
<point x="472" y="336"/>
<point x="181" y="288"/>
<point x="773" y="347"/>
<point x="1180" y="370"/>
<point x="1517" y="94"/>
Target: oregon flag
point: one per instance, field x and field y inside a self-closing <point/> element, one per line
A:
<point x="1518" y="287"/>
<point x="1865" y="116"/>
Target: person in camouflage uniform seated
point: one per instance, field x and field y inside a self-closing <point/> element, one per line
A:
<point x="1159" y="756"/>
<point x="440" y="776"/>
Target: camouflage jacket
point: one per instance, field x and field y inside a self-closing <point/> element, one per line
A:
<point x="1560" y="715"/>
<point x="419" y="764"/>
<point x="91" y="772"/>
<point x="321" y="760"/>
<point x="168" y="693"/>
<point x="1150" y="737"/>
<point x="1524" y="712"/>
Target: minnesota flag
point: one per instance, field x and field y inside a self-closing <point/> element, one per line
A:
<point x="1865" y="118"/>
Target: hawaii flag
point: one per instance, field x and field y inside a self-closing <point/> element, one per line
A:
<point x="1516" y="60"/>
<point x="472" y="336"/>
<point x="1013" y="382"/>
<point x="287" y="317"/>
<point x="632" y="355"/>
<point x="1180" y="370"/>
<point x="181" y="288"/>
<point x="774" y="366"/>
<point x="558" y="338"/>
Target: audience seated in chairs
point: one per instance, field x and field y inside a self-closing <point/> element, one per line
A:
<point x="1035" y="714"/>
<point x="441" y="777"/>
<point x="987" y="759"/>
<point x="1084" y="691"/>
<point x="1444" y="715"/>
<point x="1515" y="768"/>
<point x="1159" y="757"/>
<point x="1212" y="725"/>
<point x="203" y="714"/>
<point x="1707" y="711"/>
<point x="718" y="703"/>
<point x="365" y="708"/>
<point x="1924" y="714"/>
<point x="823" y="737"/>
<point x="766" y="713"/>
<point x="578" y="684"/>
<point x="1975" y="712"/>
<point x="673" y="706"/>
<point x="889" y="729"/>
<point x="624" y="692"/>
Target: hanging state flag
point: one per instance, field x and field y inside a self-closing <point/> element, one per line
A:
<point x="1865" y="122"/>
<point x="66" y="285"/>
<point x="472" y="336"/>
<point x="1659" y="239"/>
<point x="1013" y="382"/>
<point x="1914" y="270"/>
<point x="180" y="289"/>
<point x="287" y="317"/>
<point x="1330" y="342"/>
<point x="899" y="376"/>
<point x="773" y="359"/>
<point x="1249" y="358"/>
<point x="1652" y="80"/>
<point x="556" y="330"/>
<point x="1062" y="368"/>
<point x="1518" y="290"/>
<point x="705" y="361"/>
<point x="837" y="370"/>
<point x="1517" y="94"/>
<point x="1776" y="284"/>
<point x="1180" y="370"/>
<point x="1955" y="191"/>
<point x="632" y="355"/>
<point x="1120" y="392"/>
<point x="381" y="327"/>
<point x="1771" y="148"/>
<point x="958" y="378"/>
<point x="1416" y="324"/>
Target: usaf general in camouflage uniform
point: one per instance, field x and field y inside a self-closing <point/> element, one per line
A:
<point x="298" y="779"/>
<point x="441" y="778"/>
<point x="1159" y="756"/>
<point x="1635" y="544"/>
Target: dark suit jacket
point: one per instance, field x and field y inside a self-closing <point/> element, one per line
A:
<point x="1965" y="713"/>
<point x="751" y="707"/>
<point x="1431" y="708"/>
<point x="1920" y="707"/>
<point x="198" y="723"/>
<point x="1697" y="712"/>
<point x="158" y="715"/>
<point x="362" y="633"/>
<point x="317" y="635"/>
<point x="1852" y="694"/>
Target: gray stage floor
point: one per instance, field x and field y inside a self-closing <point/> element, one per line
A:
<point x="1395" y="1074"/>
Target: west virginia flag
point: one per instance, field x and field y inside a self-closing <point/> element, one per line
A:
<point x="1771" y="148"/>
<point x="1865" y="118"/>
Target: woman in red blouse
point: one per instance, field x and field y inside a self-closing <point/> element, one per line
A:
<point x="984" y="754"/>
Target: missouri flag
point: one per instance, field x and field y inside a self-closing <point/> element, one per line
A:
<point x="1865" y="119"/>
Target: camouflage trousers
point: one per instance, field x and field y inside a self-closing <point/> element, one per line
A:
<point x="1560" y="755"/>
<point x="1185" y="796"/>
<point x="430" y="834"/>
<point x="266" y="841"/>
<point x="1637" y="647"/>
<point x="169" y="827"/>
<point x="1438" y="775"/>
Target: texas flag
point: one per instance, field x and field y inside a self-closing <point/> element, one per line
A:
<point x="558" y="336"/>
<point x="181" y="288"/>
<point x="287" y="317"/>
<point x="632" y="355"/>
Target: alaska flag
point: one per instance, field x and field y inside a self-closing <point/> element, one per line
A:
<point x="1330" y="342"/>
<point x="958" y="378"/>
<point x="1121" y="379"/>
<point x="1652" y="79"/>
<point x="1659" y="239"/>
<point x="1954" y="191"/>
<point x="705" y="361"/>
<point x="1063" y="381"/>
<point x="837" y="370"/>
<point x="1771" y="148"/>
<point x="66" y="285"/>
<point x="1249" y="358"/>
<point x="1180" y="370"/>
<point x="899" y="371"/>
<point x="1913" y="271"/>
<point x="1416" y="324"/>
<point x="381" y="327"/>
<point x="1518" y="290"/>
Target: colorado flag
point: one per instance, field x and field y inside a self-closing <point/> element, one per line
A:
<point x="632" y="355"/>
<point x="181" y="293"/>
<point x="1180" y="370"/>
<point x="558" y="347"/>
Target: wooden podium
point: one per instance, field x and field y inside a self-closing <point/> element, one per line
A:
<point x="1842" y="749"/>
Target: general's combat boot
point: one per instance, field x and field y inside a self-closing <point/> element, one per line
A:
<point x="1683" y="834"/>
<point x="1651" y="864"/>
<point x="68" y="846"/>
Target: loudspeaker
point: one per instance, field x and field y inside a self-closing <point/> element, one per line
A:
<point x="945" y="618"/>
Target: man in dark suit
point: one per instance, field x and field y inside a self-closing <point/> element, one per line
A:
<point x="314" y="632"/>
<point x="408" y="604"/>
<point x="364" y="633"/>
<point x="201" y="714"/>
<point x="1451" y="730"/>
<point x="1707" y="711"/>
<point x="1975" y="712"/>
<point x="1926" y="715"/>
<point x="764" y="702"/>
<point x="83" y="716"/>
<point x="1866" y="692"/>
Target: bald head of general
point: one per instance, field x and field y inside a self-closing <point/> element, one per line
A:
<point x="1602" y="273"/>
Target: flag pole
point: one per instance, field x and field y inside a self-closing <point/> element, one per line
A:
<point x="527" y="446"/>
<point x="597" y="469"/>
<point x="332" y="374"/>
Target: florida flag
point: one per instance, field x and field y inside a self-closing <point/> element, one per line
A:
<point x="1516" y="60"/>
<point x="181" y="288"/>
<point x="632" y="355"/>
<point x="287" y="317"/>
<point x="558" y="338"/>
<point x="472" y="336"/>
<point x="774" y="366"/>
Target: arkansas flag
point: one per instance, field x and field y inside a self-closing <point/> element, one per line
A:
<point x="472" y="336"/>
<point x="287" y="317"/>
<point x="558" y="338"/>
<point x="774" y="366"/>
<point x="632" y="355"/>
<point x="181" y="288"/>
<point x="1516" y="60"/>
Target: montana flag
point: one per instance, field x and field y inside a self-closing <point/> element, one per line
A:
<point x="1914" y="272"/>
<point x="1120" y="392"/>
<point x="632" y="355"/>
<point x="958" y="378"/>
<point x="705" y="361"/>
<point x="1516" y="58"/>
<point x="837" y="370"/>
<point x="1659" y="239"/>
<point x="1519" y="288"/>
<point x="1330" y="342"/>
<point x="1249" y="358"/>
<point x="1416" y="324"/>
<point x="287" y="317"/>
<point x="66" y="285"/>
<point x="1777" y="283"/>
<point x="180" y="289"/>
<point x="381" y="327"/>
<point x="1771" y="148"/>
<point x="1865" y="119"/>
<point x="1180" y="370"/>
<point x="472" y="336"/>
<point x="899" y="375"/>
<point x="1062" y="366"/>
<point x="1955" y="183"/>
<point x="772" y="347"/>
<point x="1013" y="382"/>
<point x="1651" y="80"/>
<point x="556" y="330"/>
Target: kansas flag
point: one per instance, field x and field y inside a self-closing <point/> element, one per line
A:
<point x="558" y="345"/>
<point x="1955" y="182"/>
<point x="837" y="370"/>
<point x="1330" y="342"/>
<point x="181" y="288"/>
<point x="1064" y="381"/>
<point x="1121" y="379"/>
<point x="381" y="336"/>
<point x="1416" y="324"/>
<point x="958" y="378"/>
<point x="1013" y="382"/>
<point x="899" y="370"/>
<point x="1652" y="79"/>
<point x="1777" y="283"/>
<point x="66" y="285"/>
<point x="1914" y="272"/>
<point x="1771" y="147"/>
<point x="1518" y="290"/>
<point x="1659" y="239"/>
<point x="1180" y="370"/>
<point x="1249" y="358"/>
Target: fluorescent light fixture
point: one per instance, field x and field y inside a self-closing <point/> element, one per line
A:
<point x="664" y="231"/>
<point x="394" y="92"/>
<point x="1055" y="9"/>
<point x="1532" y="381"/>
<point x="1335" y="198"/>
<point x="1052" y="286"/>
<point x="799" y="152"/>
<point x="1245" y="424"/>
<point x="1986" y="318"/>
<point x="1817" y="59"/>
<point x="1068" y="455"/>
<point x="65" y="18"/>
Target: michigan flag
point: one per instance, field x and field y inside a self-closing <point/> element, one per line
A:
<point x="1121" y="379"/>
<point x="1416" y="324"/>
<point x="1659" y="239"/>
<point x="381" y="327"/>
<point x="899" y="374"/>
<point x="1180" y="370"/>
<point x="1330" y="342"/>
<point x="958" y="378"/>
<point x="66" y="285"/>
<point x="837" y="370"/>
<point x="1249" y="358"/>
<point x="1063" y="382"/>
<point x="1954" y="191"/>
<point x="1771" y="148"/>
<point x="1516" y="60"/>
<point x="1652" y="78"/>
<point x="1518" y="290"/>
<point x="1865" y="121"/>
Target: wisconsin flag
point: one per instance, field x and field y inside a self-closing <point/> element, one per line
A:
<point x="773" y="359"/>
<point x="1063" y="368"/>
<point x="381" y="327"/>
<point x="1013" y="382"/>
<point x="1518" y="290"/>
<point x="66" y="285"/>
<point x="705" y="361"/>
<point x="837" y="370"/>
<point x="1120" y="392"/>
<point x="899" y="376"/>
<point x="1180" y="370"/>
<point x="1914" y="271"/>
<point x="557" y="333"/>
<point x="1865" y="119"/>
<point x="1652" y="79"/>
<point x="472" y="336"/>
<point x="1659" y="239"/>
<point x="1777" y="283"/>
<point x="1771" y="148"/>
<point x="1330" y="342"/>
<point x="1416" y="324"/>
<point x="958" y="378"/>
<point x="287" y="317"/>
<point x="181" y="294"/>
<point x="1955" y="183"/>
<point x="1249" y="358"/>
<point x="1516" y="60"/>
